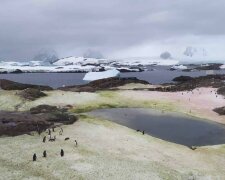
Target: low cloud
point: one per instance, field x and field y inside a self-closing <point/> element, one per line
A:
<point x="113" y="27"/>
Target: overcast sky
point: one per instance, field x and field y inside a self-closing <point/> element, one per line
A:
<point x="117" y="28"/>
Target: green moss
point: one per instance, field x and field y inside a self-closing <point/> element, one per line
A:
<point x="124" y="104"/>
<point x="90" y="107"/>
<point x="107" y="94"/>
<point x="97" y="121"/>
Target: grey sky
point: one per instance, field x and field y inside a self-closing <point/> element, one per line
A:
<point x="114" y="27"/>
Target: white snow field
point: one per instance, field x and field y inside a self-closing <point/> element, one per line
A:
<point x="91" y="76"/>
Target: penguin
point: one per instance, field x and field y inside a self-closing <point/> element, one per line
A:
<point x="44" y="154"/>
<point x="76" y="142"/>
<point x="44" y="139"/>
<point x="34" y="157"/>
<point x="62" y="153"/>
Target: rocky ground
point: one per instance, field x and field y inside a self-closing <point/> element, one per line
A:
<point x="38" y="119"/>
<point x="11" y="85"/>
<point x="106" y="150"/>
<point x="103" y="84"/>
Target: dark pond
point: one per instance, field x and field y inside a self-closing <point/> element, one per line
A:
<point x="161" y="74"/>
<point x="171" y="127"/>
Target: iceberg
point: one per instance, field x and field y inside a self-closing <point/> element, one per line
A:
<point x="178" y="67"/>
<point x="92" y="76"/>
<point x="222" y="66"/>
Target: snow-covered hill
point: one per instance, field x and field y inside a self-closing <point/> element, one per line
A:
<point x="146" y="61"/>
<point x="81" y="64"/>
<point x="193" y="55"/>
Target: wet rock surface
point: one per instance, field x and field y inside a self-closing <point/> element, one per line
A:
<point x="11" y="85"/>
<point x="103" y="84"/>
<point x="31" y="94"/>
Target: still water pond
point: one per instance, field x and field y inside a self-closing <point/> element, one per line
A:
<point x="171" y="127"/>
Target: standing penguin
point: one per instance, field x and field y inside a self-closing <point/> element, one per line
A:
<point x="45" y="154"/>
<point x="49" y="132"/>
<point x="44" y="139"/>
<point x="62" y="153"/>
<point x="76" y="143"/>
<point x="143" y="132"/>
<point x="34" y="157"/>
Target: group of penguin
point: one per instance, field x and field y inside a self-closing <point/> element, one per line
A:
<point x="45" y="154"/>
<point x="52" y="139"/>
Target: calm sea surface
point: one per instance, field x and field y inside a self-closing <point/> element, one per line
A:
<point x="159" y="75"/>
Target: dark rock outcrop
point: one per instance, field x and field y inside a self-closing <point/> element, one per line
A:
<point x="11" y="85"/>
<point x="103" y="84"/>
<point x="221" y="90"/>
<point x="182" y="78"/>
<point x="215" y="81"/>
<point x="43" y="109"/>
<point x="31" y="94"/>
<point x="17" y="123"/>
<point x="209" y="67"/>
<point x="220" y="111"/>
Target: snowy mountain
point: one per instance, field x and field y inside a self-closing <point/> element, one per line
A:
<point x="81" y="64"/>
<point x="194" y="55"/>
